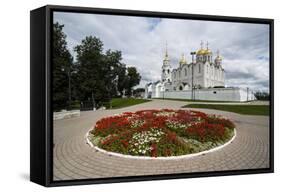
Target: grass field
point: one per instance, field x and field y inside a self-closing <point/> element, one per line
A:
<point x="241" y="109"/>
<point x="126" y="102"/>
<point x="209" y="101"/>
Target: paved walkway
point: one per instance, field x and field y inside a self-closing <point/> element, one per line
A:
<point x="74" y="159"/>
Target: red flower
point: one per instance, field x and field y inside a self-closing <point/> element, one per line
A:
<point x="171" y="136"/>
<point x="153" y="150"/>
<point x="125" y="143"/>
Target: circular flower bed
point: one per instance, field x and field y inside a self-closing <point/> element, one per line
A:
<point x="161" y="133"/>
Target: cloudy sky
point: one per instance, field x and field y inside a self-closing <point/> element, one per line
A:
<point x="243" y="46"/>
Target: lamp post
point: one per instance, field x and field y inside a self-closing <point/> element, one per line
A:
<point x="69" y="72"/>
<point x="192" y="75"/>
<point x="247" y="94"/>
<point x="93" y="100"/>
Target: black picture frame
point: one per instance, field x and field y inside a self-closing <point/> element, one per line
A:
<point x="41" y="117"/>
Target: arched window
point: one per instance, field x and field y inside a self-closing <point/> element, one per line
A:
<point x="168" y="71"/>
<point x="185" y="72"/>
<point x="163" y="70"/>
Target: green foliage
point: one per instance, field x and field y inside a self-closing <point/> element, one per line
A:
<point x="91" y="69"/>
<point x="97" y="75"/>
<point x="262" y="96"/>
<point x="62" y="63"/>
<point x="133" y="79"/>
<point x="241" y="109"/>
<point x="138" y="92"/>
<point x="102" y="75"/>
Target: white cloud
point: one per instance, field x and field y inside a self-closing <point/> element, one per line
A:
<point x="244" y="46"/>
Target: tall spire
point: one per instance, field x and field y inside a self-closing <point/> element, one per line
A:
<point x="207" y="45"/>
<point x="166" y="50"/>
<point x="166" y="58"/>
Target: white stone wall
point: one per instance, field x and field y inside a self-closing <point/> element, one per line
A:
<point x="66" y="114"/>
<point x="213" y="94"/>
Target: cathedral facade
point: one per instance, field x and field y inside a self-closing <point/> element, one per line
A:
<point x="203" y="77"/>
<point x="202" y="72"/>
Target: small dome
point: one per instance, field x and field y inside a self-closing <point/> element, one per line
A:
<point x="183" y="60"/>
<point x="218" y="57"/>
<point x="218" y="60"/>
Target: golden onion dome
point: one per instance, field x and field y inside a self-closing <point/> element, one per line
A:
<point x="201" y="52"/>
<point x="183" y="60"/>
<point x="208" y="51"/>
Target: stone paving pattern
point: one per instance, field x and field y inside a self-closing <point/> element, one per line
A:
<point x="75" y="159"/>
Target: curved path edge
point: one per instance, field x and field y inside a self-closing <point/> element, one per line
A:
<point x="160" y="158"/>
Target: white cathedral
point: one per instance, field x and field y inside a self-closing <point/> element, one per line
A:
<point x="204" y="73"/>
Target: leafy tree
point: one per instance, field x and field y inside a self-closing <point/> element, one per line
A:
<point x="99" y="75"/>
<point x="138" y="92"/>
<point x="97" y="72"/>
<point x="262" y="95"/>
<point x="90" y="69"/>
<point x="113" y="63"/>
<point x="133" y="79"/>
<point x="122" y="78"/>
<point x="62" y="63"/>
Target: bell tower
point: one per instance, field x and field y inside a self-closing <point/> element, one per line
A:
<point x="166" y="68"/>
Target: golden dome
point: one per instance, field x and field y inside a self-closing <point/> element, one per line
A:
<point x="208" y="51"/>
<point x="183" y="60"/>
<point x="201" y="52"/>
<point x="204" y="52"/>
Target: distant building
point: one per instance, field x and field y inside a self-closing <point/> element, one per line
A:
<point x="205" y="74"/>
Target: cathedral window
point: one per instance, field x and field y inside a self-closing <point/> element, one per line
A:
<point x="163" y="70"/>
<point x="168" y="71"/>
<point x="185" y="72"/>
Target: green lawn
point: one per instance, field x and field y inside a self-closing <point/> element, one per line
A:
<point x="125" y="102"/>
<point x="241" y="109"/>
<point x="205" y="101"/>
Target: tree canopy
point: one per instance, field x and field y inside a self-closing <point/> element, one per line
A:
<point x="62" y="62"/>
<point x="95" y="75"/>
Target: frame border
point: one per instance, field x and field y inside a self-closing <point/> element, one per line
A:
<point x="50" y="9"/>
